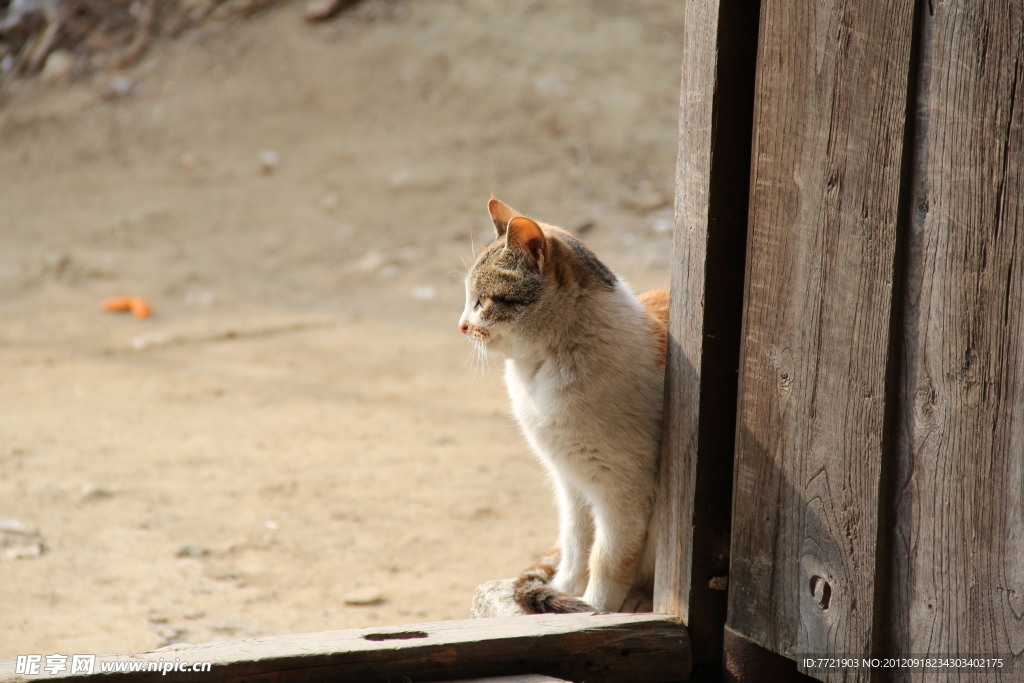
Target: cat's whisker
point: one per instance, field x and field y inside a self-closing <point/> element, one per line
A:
<point x="481" y="358"/>
<point x="478" y="361"/>
<point x="471" y="356"/>
<point x="485" y="357"/>
<point x="474" y="358"/>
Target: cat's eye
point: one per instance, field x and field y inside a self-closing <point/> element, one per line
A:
<point x="477" y="305"/>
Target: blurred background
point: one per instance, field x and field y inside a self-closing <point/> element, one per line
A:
<point x="295" y="440"/>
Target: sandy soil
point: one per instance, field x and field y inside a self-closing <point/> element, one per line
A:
<point x="297" y="425"/>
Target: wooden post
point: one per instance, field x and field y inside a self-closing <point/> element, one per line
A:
<point x="879" y="484"/>
<point x="713" y="170"/>
<point x="829" y="123"/>
<point x="958" y="545"/>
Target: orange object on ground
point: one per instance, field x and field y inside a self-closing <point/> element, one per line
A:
<point x="116" y="303"/>
<point x="139" y="307"/>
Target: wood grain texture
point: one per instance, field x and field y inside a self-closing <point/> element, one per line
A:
<point x="712" y="174"/>
<point x="958" y="560"/>
<point x="682" y="383"/>
<point x="591" y="647"/>
<point x="828" y="128"/>
<point x="526" y="678"/>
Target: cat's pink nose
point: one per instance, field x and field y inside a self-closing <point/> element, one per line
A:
<point x="463" y="328"/>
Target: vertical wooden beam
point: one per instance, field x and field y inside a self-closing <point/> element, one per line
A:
<point x="712" y="176"/>
<point x="958" y="560"/>
<point x="829" y="123"/>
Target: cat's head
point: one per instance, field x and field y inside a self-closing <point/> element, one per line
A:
<point x="526" y="284"/>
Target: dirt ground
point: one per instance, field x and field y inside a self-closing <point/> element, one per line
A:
<point x="297" y="428"/>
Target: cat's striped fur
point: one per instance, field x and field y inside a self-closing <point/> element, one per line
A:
<point x="585" y="371"/>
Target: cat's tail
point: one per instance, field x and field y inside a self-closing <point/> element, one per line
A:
<point x="534" y="593"/>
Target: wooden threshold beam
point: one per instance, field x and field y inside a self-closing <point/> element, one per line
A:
<point x="591" y="647"/>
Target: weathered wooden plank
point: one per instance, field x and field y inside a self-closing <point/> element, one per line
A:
<point x="525" y="678"/>
<point x="958" y="547"/>
<point x="591" y="647"/>
<point x="712" y="174"/>
<point x="829" y="121"/>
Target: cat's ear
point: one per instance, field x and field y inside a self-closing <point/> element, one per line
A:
<point x="502" y="214"/>
<point x="524" y="233"/>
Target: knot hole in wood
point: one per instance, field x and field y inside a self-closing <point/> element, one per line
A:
<point x="402" y="635"/>
<point x="821" y="590"/>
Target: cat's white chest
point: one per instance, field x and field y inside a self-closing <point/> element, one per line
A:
<point x="552" y="410"/>
<point x="538" y="393"/>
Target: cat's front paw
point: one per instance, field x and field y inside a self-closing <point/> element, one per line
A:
<point x="606" y="598"/>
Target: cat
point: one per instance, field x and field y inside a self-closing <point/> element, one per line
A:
<point x="585" y="367"/>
